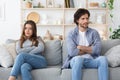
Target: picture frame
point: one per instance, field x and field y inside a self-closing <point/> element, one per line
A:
<point x="2" y="11"/>
<point x="50" y="3"/>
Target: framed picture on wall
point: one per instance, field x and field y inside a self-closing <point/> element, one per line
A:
<point x="2" y="11"/>
<point x="50" y="3"/>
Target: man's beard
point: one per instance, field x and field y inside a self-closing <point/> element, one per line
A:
<point x="84" y="26"/>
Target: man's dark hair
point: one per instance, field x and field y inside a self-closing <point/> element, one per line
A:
<point x="79" y="13"/>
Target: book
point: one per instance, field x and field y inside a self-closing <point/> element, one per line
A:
<point x="71" y="4"/>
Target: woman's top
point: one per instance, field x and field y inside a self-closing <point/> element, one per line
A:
<point x="27" y="48"/>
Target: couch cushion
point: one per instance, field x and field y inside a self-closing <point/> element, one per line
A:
<point x="64" y="51"/>
<point x="113" y="56"/>
<point x="114" y="73"/>
<point x="87" y="74"/>
<point x="4" y="73"/>
<point x="6" y="59"/>
<point x="53" y="52"/>
<point x="10" y="41"/>
<point x="11" y="49"/>
<point x="91" y="74"/>
<point x="55" y="73"/>
<point x="107" y="44"/>
<point x="49" y="73"/>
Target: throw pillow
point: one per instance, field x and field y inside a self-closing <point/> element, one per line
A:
<point x="11" y="49"/>
<point x="6" y="59"/>
<point x="8" y="41"/>
<point x="53" y="50"/>
<point x="113" y="56"/>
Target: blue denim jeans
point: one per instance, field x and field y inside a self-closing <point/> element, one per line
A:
<point x="78" y="63"/>
<point x="24" y="63"/>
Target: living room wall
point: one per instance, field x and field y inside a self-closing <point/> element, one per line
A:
<point x="116" y="13"/>
<point x="10" y="26"/>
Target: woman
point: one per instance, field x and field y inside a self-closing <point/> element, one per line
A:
<point x="29" y="49"/>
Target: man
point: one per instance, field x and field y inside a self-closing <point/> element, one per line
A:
<point x="84" y="47"/>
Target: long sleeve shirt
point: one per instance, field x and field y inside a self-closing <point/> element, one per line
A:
<point x="27" y="48"/>
<point x="73" y="41"/>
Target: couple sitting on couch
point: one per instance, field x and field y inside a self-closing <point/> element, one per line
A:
<point x="83" y="43"/>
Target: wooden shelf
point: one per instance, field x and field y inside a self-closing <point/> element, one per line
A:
<point x="86" y="8"/>
<point x="69" y="25"/>
<point x="62" y="8"/>
<point x="89" y="24"/>
<point x="49" y="24"/>
<point x="98" y="24"/>
<point x="42" y="8"/>
<point x="70" y="8"/>
<point x="66" y="14"/>
<point x="97" y="8"/>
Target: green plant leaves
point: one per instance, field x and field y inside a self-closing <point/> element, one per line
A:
<point x="110" y="29"/>
<point x="111" y="15"/>
<point x="110" y="4"/>
<point x="115" y="33"/>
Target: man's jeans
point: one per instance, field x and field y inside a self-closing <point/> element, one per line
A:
<point x="78" y="62"/>
<point x="24" y="63"/>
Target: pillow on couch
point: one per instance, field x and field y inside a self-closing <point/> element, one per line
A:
<point x="8" y="41"/>
<point x="11" y="49"/>
<point x="53" y="50"/>
<point x="113" y="56"/>
<point x="6" y="59"/>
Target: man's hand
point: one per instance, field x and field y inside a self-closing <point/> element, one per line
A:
<point x="84" y="49"/>
<point x="81" y="52"/>
<point x="79" y="47"/>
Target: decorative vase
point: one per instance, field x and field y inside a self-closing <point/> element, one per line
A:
<point x="103" y="5"/>
<point x="100" y="18"/>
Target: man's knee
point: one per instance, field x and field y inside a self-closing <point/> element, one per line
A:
<point x="103" y="61"/>
<point x="77" y="60"/>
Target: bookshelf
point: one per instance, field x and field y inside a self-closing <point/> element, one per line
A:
<point x="58" y="19"/>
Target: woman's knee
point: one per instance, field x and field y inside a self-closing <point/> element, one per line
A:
<point x="21" y="55"/>
<point x="26" y="66"/>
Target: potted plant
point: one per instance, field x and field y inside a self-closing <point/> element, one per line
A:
<point x="115" y="34"/>
<point x="28" y="3"/>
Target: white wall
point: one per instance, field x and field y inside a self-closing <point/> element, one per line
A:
<point x="10" y="26"/>
<point x="116" y="13"/>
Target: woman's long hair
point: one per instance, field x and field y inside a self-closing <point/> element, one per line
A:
<point x="33" y="38"/>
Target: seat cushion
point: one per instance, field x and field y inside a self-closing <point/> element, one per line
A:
<point x="92" y="74"/>
<point x="4" y="73"/>
<point x="49" y="73"/>
<point x="114" y="73"/>
<point x="88" y="74"/>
